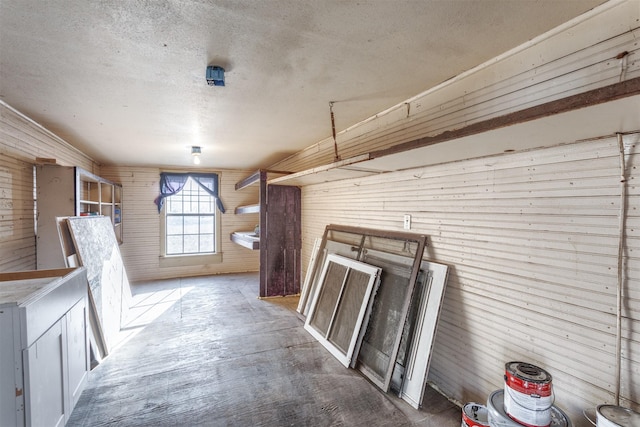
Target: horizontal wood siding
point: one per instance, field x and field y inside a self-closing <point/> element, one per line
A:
<point x="574" y="58"/>
<point x="631" y="285"/>
<point x="17" y="237"/>
<point x="141" y="225"/>
<point x="532" y="241"/>
<point x="21" y="141"/>
<point x="24" y="139"/>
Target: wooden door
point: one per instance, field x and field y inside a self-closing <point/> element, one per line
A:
<point x="282" y="246"/>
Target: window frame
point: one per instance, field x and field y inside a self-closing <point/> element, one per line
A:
<point x="341" y="283"/>
<point x="179" y="260"/>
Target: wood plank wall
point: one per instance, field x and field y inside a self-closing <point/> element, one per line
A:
<point x="21" y="141"/>
<point x="631" y="273"/>
<point x="573" y="58"/>
<point x="532" y="240"/>
<point x="141" y="222"/>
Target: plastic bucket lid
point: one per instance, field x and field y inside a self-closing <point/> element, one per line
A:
<point x="616" y="416"/>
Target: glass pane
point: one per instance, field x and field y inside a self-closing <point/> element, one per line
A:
<point x="174" y="204"/>
<point x="190" y="206"/>
<point x="206" y="224"/>
<point x="190" y="244"/>
<point x="174" y="245"/>
<point x="206" y="206"/>
<point x="416" y="300"/>
<point x="174" y="225"/>
<point x="191" y="225"/>
<point x="386" y="317"/>
<point x="206" y="243"/>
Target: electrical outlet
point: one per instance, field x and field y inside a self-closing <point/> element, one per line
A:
<point x="407" y="222"/>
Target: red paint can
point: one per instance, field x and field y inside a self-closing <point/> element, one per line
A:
<point x="475" y="415"/>
<point x="528" y="394"/>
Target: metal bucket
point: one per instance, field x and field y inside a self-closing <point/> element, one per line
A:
<point x="474" y="415"/>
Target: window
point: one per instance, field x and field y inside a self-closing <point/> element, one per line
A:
<point x="340" y="303"/>
<point x="190" y="220"/>
<point x="190" y="225"/>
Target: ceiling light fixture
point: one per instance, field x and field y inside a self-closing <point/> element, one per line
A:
<point x="195" y="152"/>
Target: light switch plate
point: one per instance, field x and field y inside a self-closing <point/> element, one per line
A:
<point x="407" y="222"/>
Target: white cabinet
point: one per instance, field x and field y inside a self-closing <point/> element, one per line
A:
<point x="44" y="379"/>
<point x="64" y="191"/>
<point x="44" y="360"/>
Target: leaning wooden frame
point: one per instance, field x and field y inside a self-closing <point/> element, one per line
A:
<point x="380" y="346"/>
<point x="380" y="337"/>
<point x="338" y="308"/>
<point x="412" y="369"/>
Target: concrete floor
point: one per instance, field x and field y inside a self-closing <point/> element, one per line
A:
<point x="207" y="352"/>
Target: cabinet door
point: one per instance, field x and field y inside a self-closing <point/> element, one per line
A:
<point x="11" y="391"/>
<point x="56" y="198"/>
<point x="77" y="360"/>
<point x="44" y="384"/>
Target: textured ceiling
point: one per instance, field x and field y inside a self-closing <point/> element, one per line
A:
<point x="124" y="81"/>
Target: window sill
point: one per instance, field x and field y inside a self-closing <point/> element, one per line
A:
<point x="188" y="260"/>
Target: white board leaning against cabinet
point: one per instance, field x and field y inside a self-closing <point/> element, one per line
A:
<point x="44" y="360"/>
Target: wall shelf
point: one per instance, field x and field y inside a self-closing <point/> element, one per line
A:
<point x="248" y="209"/>
<point x="258" y="176"/>
<point x="279" y="235"/>
<point x="342" y="169"/>
<point x="591" y="112"/>
<point x="247" y="239"/>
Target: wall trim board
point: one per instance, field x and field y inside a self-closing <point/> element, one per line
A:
<point x="582" y="100"/>
<point x="6" y="110"/>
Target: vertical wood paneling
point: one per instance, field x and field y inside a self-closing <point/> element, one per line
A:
<point x="21" y="141"/>
<point x="574" y="58"/>
<point x="531" y="239"/>
<point x="141" y="225"/>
